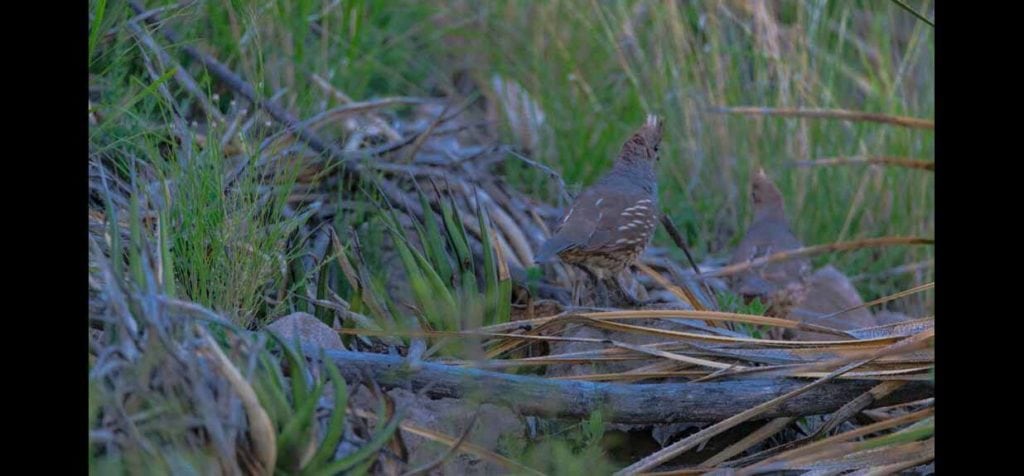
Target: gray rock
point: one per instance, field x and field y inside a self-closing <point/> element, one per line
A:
<point x="309" y="330"/>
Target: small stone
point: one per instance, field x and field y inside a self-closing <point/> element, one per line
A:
<point x="308" y="328"/>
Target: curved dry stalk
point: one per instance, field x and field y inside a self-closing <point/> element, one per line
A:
<point x="816" y="250"/>
<point x="894" y="161"/>
<point x="345" y="99"/>
<point x="844" y="114"/>
<point x="320" y="120"/>
<point x="260" y="426"/>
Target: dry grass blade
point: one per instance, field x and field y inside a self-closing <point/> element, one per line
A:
<point x="891" y="297"/>
<point x="260" y="427"/>
<point x="676" y="357"/>
<point x="856" y="406"/>
<point x="842" y="437"/>
<point x="909" y="344"/>
<point x="717" y="316"/>
<point x="667" y="453"/>
<point x="904" y="328"/>
<point x="675" y="449"/>
<point x="667" y="314"/>
<point x="818" y="249"/>
<point x="616" y="326"/>
<point x="465" y="447"/>
<point x="755" y="437"/>
<point x="853" y="456"/>
<point x="894" y="161"/>
<point x="844" y="114"/>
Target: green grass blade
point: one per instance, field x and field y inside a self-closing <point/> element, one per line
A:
<point x="270" y="389"/>
<point x="379" y="439"/>
<point x="336" y="424"/>
<point x="297" y="364"/>
<point x="95" y="27"/>
<point x="434" y="241"/>
<point x="492" y="292"/>
<point x="294" y="437"/>
<point x="166" y="258"/>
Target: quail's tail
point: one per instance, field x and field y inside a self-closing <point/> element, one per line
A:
<point x="556" y="244"/>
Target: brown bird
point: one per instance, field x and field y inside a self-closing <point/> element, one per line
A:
<point x="769" y="233"/>
<point x="610" y="223"/>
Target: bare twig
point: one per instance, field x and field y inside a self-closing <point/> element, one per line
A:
<point x="180" y="74"/>
<point x="236" y="83"/>
<point x="677" y="238"/>
<point x="919" y="15"/>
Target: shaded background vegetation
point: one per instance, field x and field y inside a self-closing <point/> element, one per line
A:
<point x="595" y="68"/>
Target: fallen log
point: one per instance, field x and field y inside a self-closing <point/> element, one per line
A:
<point x="621" y="403"/>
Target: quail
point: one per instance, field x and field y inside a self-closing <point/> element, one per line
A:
<point x="610" y="223"/>
<point x="768" y="233"/>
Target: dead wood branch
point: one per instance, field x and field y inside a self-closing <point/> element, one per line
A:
<point x="627" y="403"/>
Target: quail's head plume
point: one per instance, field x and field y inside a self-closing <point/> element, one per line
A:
<point x="769" y="233"/>
<point x="610" y="223"/>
